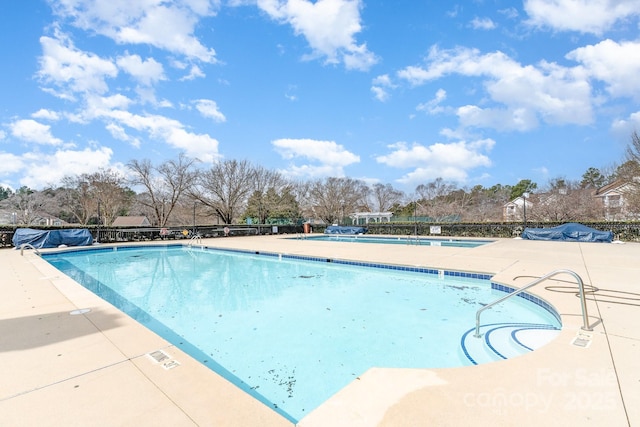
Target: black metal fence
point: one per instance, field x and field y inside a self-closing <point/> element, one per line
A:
<point x="136" y="234"/>
<point x="625" y="231"/>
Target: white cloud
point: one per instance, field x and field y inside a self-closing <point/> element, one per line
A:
<point x="200" y="146"/>
<point x="113" y="111"/>
<point x="194" y="73"/>
<point x="97" y="105"/>
<point x="624" y="127"/>
<point x="209" y="109"/>
<point x="522" y="94"/>
<point x="42" y="170"/>
<point x="329" y="26"/>
<point x="32" y="131"/>
<point x="585" y="16"/>
<point x="332" y="157"/>
<point x="46" y="115"/>
<point x="510" y="12"/>
<point x="73" y="70"/>
<point x="433" y="106"/>
<point x="482" y="24"/>
<point x="503" y="119"/>
<point x="165" y="25"/>
<point x="290" y="94"/>
<point x="380" y="87"/>
<point x="380" y="93"/>
<point x="616" y="64"/>
<point x="10" y="164"/>
<point x="146" y="72"/>
<point x="447" y="161"/>
<point x="118" y="132"/>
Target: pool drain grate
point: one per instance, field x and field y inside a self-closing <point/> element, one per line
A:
<point x="160" y="356"/>
<point x="582" y="340"/>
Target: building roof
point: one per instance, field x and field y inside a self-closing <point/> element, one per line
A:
<point x="615" y="185"/>
<point x="131" y="221"/>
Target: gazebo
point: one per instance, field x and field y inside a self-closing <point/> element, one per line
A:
<point x="365" y="217"/>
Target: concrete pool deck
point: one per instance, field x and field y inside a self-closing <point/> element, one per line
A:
<point x="95" y="368"/>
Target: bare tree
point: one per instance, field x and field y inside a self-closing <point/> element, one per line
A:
<point x="563" y="201"/>
<point x="629" y="173"/>
<point x="484" y="204"/>
<point x="77" y="197"/>
<point x="433" y="200"/>
<point x="225" y="188"/>
<point x="27" y="204"/>
<point x="633" y="149"/>
<point x="334" y="198"/>
<point x="384" y="197"/>
<point x="164" y="185"/>
<point x="82" y="194"/>
<point x="301" y="191"/>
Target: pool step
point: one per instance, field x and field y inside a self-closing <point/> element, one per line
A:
<point x="505" y="340"/>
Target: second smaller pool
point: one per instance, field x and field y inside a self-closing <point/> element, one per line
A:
<point x="400" y="240"/>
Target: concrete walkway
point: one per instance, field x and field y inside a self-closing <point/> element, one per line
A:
<point x="95" y="368"/>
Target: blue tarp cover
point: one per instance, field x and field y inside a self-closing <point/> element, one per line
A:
<point x="571" y="232"/>
<point x="51" y="238"/>
<point x="343" y="229"/>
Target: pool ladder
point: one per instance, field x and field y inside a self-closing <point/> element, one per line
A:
<point x="583" y="301"/>
<point x="413" y="240"/>
<point x="195" y="239"/>
<point x="28" y="246"/>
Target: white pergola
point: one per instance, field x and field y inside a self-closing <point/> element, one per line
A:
<point x="371" y="216"/>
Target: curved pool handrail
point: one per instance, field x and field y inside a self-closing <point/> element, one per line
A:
<point x="27" y="246"/>
<point x="196" y="238"/>
<point x="583" y="301"/>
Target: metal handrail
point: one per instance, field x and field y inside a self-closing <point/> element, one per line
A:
<point x="583" y="301"/>
<point x="409" y="240"/>
<point x="28" y="245"/>
<point x="196" y="237"/>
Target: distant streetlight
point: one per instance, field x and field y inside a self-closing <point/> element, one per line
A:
<point x="98" y="233"/>
<point x="260" y="216"/>
<point x="415" y="218"/>
<point x="524" y="207"/>
<point x="194" y="218"/>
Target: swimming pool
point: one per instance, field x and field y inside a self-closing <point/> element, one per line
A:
<point x="398" y="240"/>
<point x="292" y="331"/>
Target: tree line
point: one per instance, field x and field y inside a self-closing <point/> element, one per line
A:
<point x="177" y="192"/>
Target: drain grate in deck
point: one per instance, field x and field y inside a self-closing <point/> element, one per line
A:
<point x="582" y="340"/>
<point x="159" y="356"/>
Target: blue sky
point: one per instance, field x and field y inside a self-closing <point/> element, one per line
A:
<point x="400" y="92"/>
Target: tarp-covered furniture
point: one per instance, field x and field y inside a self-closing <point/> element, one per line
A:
<point x="51" y="238"/>
<point x="344" y="229"/>
<point x="570" y="232"/>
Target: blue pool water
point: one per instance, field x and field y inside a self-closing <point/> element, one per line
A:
<point x="403" y="240"/>
<point x="292" y="332"/>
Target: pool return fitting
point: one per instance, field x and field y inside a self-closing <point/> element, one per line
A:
<point x="583" y="301"/>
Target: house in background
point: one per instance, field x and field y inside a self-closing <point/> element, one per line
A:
<point x="131" y="221"/>
<point x="515" y="209"/>
<point x="613" y="198"/>
<point x="611" y="202"/>
<point x="43" y="220"/>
